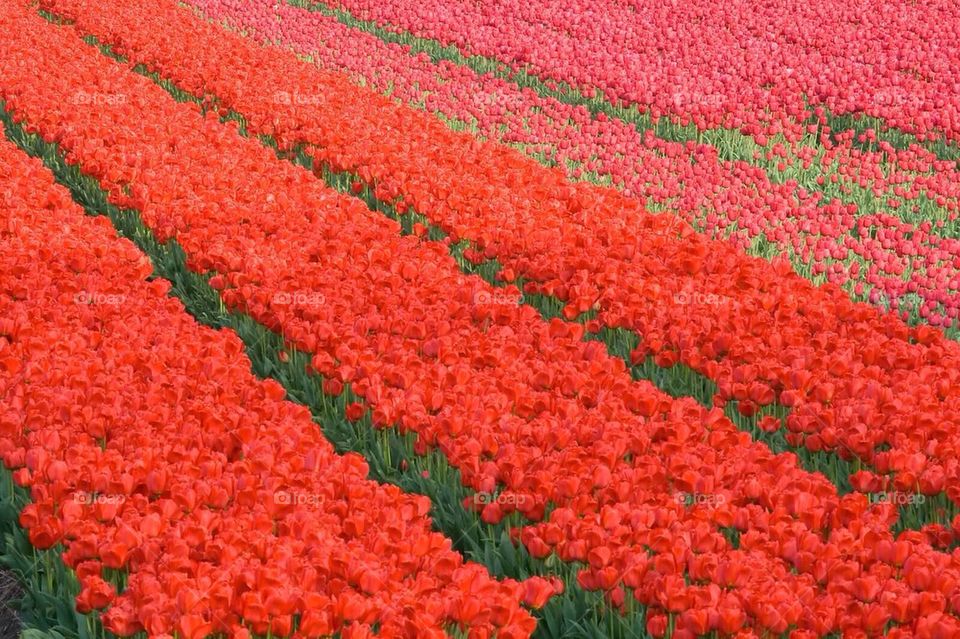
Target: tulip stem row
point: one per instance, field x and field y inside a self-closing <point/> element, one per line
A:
<point x="48" y="588"/>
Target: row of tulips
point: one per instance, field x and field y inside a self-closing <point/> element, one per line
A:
<point x="858" y="382"/>
<point x="761" y="69"/>
<point x="513" y="402"/>
<point x="168" y="460"/>
<point x="902" y="262"/>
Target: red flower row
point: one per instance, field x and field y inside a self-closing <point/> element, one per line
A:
<point x="512" y="401"/>
<point x="859" y="382"/>
<point x="148" y="446"/>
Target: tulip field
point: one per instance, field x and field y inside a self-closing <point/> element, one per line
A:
<point x="592" y="319"/>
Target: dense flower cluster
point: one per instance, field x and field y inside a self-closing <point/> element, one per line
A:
<point x="888" y="259"/>
<point x="757" y="67"/>
<point x="149" y="447"/>
<point x="858" y="381"/>
<point x="522" y="407"/>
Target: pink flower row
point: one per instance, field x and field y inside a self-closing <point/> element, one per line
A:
<point x="748" y="65"/>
